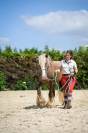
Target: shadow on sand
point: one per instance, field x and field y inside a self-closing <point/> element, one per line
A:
<point x="32" y="107"/>
<point x="36" y="107"/>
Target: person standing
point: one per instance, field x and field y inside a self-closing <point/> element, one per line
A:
<point x="68" y="80"/>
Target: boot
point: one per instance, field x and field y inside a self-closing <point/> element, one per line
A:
<point x="65" y="105"/>
<point x="69" y="104"/>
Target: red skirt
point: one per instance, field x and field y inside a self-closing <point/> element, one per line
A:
<point x="68" y="83"/>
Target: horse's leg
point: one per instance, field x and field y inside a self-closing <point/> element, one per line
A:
<point x="51" y="101"/>
<point x="40" y="101"/>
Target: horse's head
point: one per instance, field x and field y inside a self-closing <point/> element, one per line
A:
<point x="44" y="62"/>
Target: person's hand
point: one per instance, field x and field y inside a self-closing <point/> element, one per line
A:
<point x="75" y="70"/>
<point x="71" y="75"/>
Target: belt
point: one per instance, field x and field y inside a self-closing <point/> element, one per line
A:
<point x="68" y="75"/>
<point x="65" y="74"/>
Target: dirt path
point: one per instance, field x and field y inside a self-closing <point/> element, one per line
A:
<point x="19" y="113"/>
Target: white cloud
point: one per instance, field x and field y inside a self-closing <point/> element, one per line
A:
<point x="60" y="22"/>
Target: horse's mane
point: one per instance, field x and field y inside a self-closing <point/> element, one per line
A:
<point x="43" y="57"/>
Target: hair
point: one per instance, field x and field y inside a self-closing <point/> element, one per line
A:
<point x="70" y="52"/>
<point x="46" y="55"/>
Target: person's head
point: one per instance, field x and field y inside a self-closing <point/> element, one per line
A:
<point x="68" y="55"/>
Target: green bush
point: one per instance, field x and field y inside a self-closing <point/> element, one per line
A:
<point x="15" y="64"/>
<point x="44" y="87"/>
<point x="81" y="57"/>
<point x="2" y="81"/>
<point x="26" y="84"/>
<point x="31" y="83"/>
<point x="21" y="85"/>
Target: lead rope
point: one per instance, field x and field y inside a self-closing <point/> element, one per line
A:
<point x="59" y="89"/>
<point x="59" y="92"/>
<point x="57" y="84"/>
<point x="55" y="79"/>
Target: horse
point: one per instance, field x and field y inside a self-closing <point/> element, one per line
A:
<point x="40" y="68"/>
<point x="49" y="69"/>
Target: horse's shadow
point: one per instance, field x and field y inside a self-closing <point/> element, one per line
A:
<point x="37" y="107"/>
<point x="32" y="107"/>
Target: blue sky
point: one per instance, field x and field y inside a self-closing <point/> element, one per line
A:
<point x="60" y="24"/>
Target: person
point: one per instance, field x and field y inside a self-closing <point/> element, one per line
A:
<point x="68" y="80"/>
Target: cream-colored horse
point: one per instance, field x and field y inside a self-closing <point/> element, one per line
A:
<point x="49" y="69"/>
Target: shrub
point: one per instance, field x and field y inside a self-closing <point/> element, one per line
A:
<point x="2" y="81"/>
<point x="21" y="85"/>
<point x="31" y="83"/>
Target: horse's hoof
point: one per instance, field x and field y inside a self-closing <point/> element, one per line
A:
<point x="40" y="102"/>
<point x="41" y="105"/>
<point x="50" y="105"/>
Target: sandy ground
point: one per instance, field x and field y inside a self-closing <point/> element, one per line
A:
<point x="19" y="113"/>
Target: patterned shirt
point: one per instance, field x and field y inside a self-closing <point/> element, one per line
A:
<point x="68" y="66"/>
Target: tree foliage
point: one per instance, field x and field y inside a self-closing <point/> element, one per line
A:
<point x="81" y="57"/>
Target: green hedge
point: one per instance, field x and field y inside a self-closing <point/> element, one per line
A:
<point x="20" y="60"/>
<point x="2" y="81"/>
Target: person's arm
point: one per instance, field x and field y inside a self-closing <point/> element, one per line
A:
<point x="75" y="70"/>
<point x="75" y="67"/>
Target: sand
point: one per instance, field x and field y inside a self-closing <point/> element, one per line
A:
<point x="19" y="113"/>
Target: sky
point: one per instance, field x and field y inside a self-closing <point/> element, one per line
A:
<point x="59" y="24"/>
